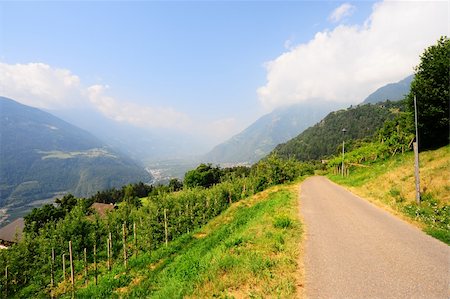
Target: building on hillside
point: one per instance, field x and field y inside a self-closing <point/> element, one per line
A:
<point x="12" y="233"/>
<point x="102" y="208"/>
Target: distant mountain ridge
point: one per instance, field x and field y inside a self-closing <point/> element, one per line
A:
<point x="42" y="155"/>
<point x="392" y="91"/>
<point x="261" y="137"/>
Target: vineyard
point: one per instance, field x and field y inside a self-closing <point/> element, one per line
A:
<point x="82" y="247"/>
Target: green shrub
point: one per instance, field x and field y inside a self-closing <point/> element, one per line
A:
<point x="282" y="222"/>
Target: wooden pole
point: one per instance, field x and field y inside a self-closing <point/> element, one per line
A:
<point x="85" y="267"/>
<point x="52" y="266"/>
<point x="150" y="239"/>
<point x="124" y="240"/>
<point x="135" y="239"/>
<point x="108" y="263"/>
<point x="64" y="266"/>
<point x="6" y="281"/>
<point x="165" y="227"/>
<point x="52" y="274"/>
<point x="95" y="264"/>
<point x="72" y="280"/>
<point x="110" y="250"/>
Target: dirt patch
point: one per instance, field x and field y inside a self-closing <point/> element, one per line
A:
<point x="200" y="235"/>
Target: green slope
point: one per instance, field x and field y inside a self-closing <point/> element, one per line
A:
<point x="251" y="250"/>
<point x="325" y="138"/>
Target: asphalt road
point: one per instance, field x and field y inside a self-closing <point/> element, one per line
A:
<point x="356" y="250"/>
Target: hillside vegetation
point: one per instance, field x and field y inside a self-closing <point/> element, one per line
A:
<point x="249" y="251"/>
<point x="325" y="138"/>
<point x="390" y="183"/>
<point x="166" y="224"/>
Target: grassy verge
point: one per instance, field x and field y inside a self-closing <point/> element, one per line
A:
<point x="251" y="250"/>
<point x="390" y="184"/>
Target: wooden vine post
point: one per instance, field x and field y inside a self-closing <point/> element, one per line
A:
<point x="85" y="267"/>
<point x="6" y="281"/>
<point x="52" y="269"/>
<point x="124" y="240"/>
<point x="135" y="239"/>
<point x="72" y="280"/>
<point x="108" y="252"/>
<point x="52" y="274"/>
<point x="165" y="227"/>
<point x="64" y="266"/>
<point x="95" y="264"/>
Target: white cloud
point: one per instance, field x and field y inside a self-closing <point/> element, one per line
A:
<point x="39" y="85"/>
<point x="138" y="115"/>
<point x="348" y="62"/>
<point x="345" y="10"/>
<point x="43" y="86"/>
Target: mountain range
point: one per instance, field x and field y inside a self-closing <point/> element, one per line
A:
<point x="42" y="156"/>
<point x="283" y="124"/>
<point x="392" y="91"/>
<point x="261" y="137"/>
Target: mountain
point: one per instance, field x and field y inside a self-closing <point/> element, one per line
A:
<point x="264" y="134"/>
<point x="325" y="138"/>
<point x="42" y="156"/>
<point x="392" y="91"/>
<point x="142" y="144"/>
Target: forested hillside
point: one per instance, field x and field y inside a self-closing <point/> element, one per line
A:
<point x="325" y="138"/>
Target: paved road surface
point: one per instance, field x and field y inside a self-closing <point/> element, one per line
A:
<point x="356" y="250"/>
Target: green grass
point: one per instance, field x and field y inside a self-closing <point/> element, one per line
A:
<point x="390" y="183"/>
<point x="251" y="250"/>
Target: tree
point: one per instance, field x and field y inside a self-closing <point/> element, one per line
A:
<point x="205" y="175"/>
<point x="38" y="217"/>
<point x="67" y="203"/>
<point x="175" y="185"/>
<point x="130" y="196"/>
<point x="431" y="88"/>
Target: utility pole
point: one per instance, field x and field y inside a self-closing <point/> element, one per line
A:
<point x="343" y="150"/>
<point x="416" y="154"/>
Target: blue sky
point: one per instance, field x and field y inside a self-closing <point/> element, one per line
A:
<point x="191" y="64"/>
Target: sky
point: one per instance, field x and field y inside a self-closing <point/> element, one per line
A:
<point x="208" y="67"/>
